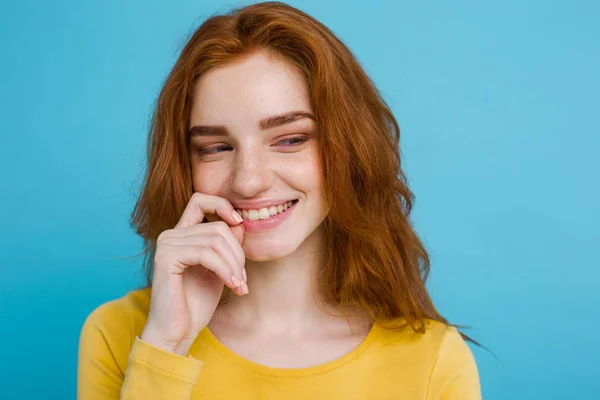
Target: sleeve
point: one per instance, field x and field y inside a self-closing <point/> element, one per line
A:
<point x="110" y="368"/>
<point x="454" y="375"/>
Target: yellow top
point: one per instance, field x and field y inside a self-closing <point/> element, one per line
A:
<point x="389" y="364"/>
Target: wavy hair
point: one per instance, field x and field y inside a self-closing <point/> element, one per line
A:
<point x="374" y="258"/>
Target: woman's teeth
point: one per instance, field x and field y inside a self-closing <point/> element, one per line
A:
<point x="264" y="213"/>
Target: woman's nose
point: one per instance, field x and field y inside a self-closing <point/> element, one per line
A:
<point x="251" y="174"/>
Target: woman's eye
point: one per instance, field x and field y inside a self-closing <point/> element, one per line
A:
<point x="293" y="141"/>
<point x="213" y="149"/>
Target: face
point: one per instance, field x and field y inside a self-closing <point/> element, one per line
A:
<point x="253" y="141"/>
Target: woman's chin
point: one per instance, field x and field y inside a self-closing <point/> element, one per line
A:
<point x="263" y="252"/>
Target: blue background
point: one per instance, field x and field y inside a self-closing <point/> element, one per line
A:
<point x="498" y="103"/>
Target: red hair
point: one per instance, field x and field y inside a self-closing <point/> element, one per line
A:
<point x="374" y="258"/>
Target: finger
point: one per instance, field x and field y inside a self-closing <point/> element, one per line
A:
<point x="228" y="235"/>
<point x="205" y="257"/>
<point x="218" y="243"/>
<point x="201" y="204"/>
<point x="209" y="228"/>
<point x="213" y="218"/>
<point x="238" y="232"/>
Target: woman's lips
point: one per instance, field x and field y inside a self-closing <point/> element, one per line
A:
<point x="270" y="223"/>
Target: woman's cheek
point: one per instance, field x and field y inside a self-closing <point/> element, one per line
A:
<point x="209" y="180"/>
<point x="305" y="170"/>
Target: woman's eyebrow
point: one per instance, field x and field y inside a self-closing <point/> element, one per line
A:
<point x="207" y="130"/>
<point x="282" y="119"/>
<point x="266" y="123"/>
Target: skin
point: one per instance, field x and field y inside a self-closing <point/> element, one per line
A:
<point x="251" y="163"/>
<point x="283" y="321"/>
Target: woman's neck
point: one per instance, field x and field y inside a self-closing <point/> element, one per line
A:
<point x="285" y="294"/>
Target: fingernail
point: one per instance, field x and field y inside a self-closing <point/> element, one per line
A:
<point x="244" y="275"/>
<point x="245" y="288"/>
<point x="237" y="216"/>
<point x="236" y="282"/>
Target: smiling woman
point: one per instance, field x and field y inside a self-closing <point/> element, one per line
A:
<point x="258" y="148"/>
<point x="275" y="214"/>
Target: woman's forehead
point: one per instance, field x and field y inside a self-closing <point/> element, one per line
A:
<point x="249" y="90"/>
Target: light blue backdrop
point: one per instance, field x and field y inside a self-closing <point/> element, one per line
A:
<point x="498" y="103"/>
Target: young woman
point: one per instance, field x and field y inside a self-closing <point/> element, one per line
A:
<point x="281" y="262"/>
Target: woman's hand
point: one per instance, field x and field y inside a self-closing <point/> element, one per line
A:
<point x="192" y="263"/>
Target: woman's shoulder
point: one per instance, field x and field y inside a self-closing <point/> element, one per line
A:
<point x="438" y="357"/>
<point x="106" y="339"/>
<point x="121" y="318"/>
<point x="436" y="338"/>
